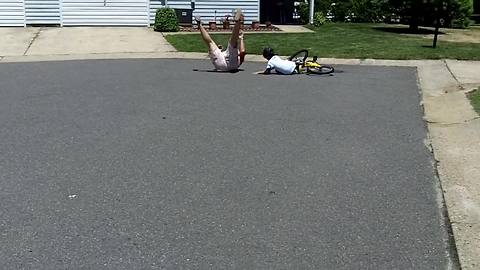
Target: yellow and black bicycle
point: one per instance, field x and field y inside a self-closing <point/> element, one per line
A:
<point x="305" y="66"/>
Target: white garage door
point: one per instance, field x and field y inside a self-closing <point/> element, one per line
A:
<point x="42" y="12"/>
<point x="206" y="9"/>
<point x="105" y="12"/>
<point x="11" y="13"/>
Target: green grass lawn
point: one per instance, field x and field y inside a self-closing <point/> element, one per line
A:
<point x="475" y="99"/>
<point x="342" y="40"/>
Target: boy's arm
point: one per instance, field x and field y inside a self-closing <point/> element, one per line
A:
<point x="264" y="72"/>
<point x="269" y="68"/>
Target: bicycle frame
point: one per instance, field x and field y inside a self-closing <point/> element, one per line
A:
<point x="306" y="65"/>
<point x="310" y="66"/>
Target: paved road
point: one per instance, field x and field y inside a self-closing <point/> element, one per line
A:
<point x="147" y="164"/>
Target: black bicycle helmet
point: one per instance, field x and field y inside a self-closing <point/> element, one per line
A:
<point x="268" y="52"/>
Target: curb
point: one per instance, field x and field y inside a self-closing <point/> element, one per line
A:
<point x="196" y="55"/>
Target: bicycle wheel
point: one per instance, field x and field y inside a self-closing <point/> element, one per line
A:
<point x="299" y="56"/>
<point x="323" y="69"/>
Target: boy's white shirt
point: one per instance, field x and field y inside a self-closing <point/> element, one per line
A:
<point x="280" y="65"/>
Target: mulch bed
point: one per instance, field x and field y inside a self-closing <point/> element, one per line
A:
<point x="219" y="29"/>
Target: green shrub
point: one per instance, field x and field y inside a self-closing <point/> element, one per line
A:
<point x="323" y="5"/>
<point x="335" y="10"/>
<point x="461" y="23"/>
<point x="166" y="20"/>
<point x="304" y="12"/>
<point x="461" y="16"/>
<point x="369" y="10"/>
<point x="341" y="11"/>
<point x="319" y="19"/>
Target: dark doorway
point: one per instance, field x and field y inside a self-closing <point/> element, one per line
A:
<point x="277" y="11"/>
<point x="476" y="7"/>
<point x="476" y="11"/>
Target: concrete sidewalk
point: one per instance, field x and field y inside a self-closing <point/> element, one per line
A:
<point x="49" y="41"/>
<point x="454" y="128"/>
<point x="455" y="139"/>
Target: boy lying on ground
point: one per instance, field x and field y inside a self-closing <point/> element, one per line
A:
<point x="277" y="64"/>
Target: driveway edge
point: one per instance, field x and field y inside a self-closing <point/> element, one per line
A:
<point x="454" y="130"/>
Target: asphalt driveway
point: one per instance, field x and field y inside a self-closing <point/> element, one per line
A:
<point x="148" y="164"/>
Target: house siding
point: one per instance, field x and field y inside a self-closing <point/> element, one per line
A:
<point x="114" y="12"/>
<point x="42" y="12"/>
<point x="100" y="12"/>
<point x="182" y="4"/>
<point x="154" y="5"/>
<point x="12" y="13"/>
<point x="206" y="8"/>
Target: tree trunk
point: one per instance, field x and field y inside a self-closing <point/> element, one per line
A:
<point x="413" y="28"/>
<point x="413" y="24"/>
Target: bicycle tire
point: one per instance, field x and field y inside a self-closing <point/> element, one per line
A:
<point x="323" y="69"/>
<point x="300" y="55"/>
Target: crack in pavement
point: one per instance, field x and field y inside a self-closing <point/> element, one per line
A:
<point x="455" y="123"/>
<point x="453" y="75"/>
<point x="33" y="40"/>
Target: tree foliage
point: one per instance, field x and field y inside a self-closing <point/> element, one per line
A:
<point x="428" y="12"/>
<point x="412" y="12"/>
<point x="304" y="12"/>
<point x="369" y="10"/>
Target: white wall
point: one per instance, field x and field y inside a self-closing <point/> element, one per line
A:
<point x="207" y="8"/>
<point x="12" y="13"/>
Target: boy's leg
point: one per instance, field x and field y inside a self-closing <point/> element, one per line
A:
<point x="205" y="36"/>
<point x="236" y="29"/>
<point x="297" y="67"/>
<point x="241" y="43"/>
<point x="216" y="55"/>
<point x="241" y="48"/>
